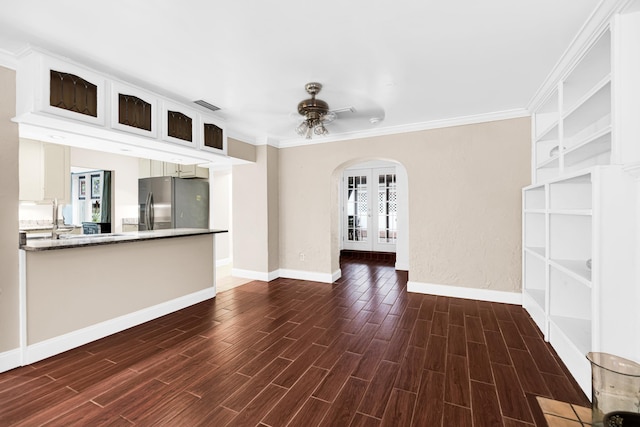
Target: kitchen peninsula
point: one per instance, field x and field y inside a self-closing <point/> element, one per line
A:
<point x="81" y="288"/>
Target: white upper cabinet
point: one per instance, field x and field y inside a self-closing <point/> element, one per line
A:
<point x="212" y="135"/>
<point x="44" y="172"/>
<point x="179" y="124"/>
<point x="50" y="85"/>
<point x="60" y="95"/>
<point x="134" y="110"/>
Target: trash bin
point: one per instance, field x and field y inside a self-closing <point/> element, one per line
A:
<point x="615" y="385"/>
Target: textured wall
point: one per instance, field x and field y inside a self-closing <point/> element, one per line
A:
<point x="250" y="214"/>
<point x="464" y="201"/>
<point x="9" y="320"/>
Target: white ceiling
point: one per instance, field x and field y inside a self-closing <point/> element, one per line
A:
<point x="408" y="61"/>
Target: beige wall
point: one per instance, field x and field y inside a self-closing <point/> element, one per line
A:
<point x="241" y="150"/>
<point x="464" y="201"/>
<point x="9" y="316"/>
<point x="249" y="213"/>
<point x="70" y="289"/>
<point x="255" y="211"/>
<point x="221" y="211"/>
<point x="273" y="208"/>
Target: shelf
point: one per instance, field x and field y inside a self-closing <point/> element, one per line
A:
<point x="550" y="163"/>
<point x="576" y="268"/>
<point x="550" y="133"/>
<point x="569" y="236"/>
<point x="572" y="353"/>
<point x="537" y="311"/>
<point x="546" y="117"/>
<point x="592" y="68"/>
<point x="536" y="250"/>
<point x="535" y="272"/>
<point x="546" y="174"/>
<point x="573" y="195"/>
<point x="590" y="149"/>
<point x="538" y="296"/>
<point x="534" y="225"/>
<point x="578" y="331"/>
<point x="534" y="199"/>
<point x="577" y="212"/>
<point x="591" y="109"/>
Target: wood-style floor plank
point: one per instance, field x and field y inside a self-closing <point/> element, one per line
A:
<point x="359" y="352"/>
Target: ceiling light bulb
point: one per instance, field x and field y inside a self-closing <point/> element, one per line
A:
<point x="302" y="128"/>
<point x="320" y="129"/>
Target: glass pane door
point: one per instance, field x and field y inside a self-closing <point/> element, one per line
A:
<point x="370" y="210"/>
<point x="358" y="212"/>
<point x="387" y="211"/>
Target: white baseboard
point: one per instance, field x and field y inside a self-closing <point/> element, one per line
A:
<point x="311" y="275"/>
<point x="62" y="343"/>
<point x="255" y="275"/>
<point x="289" y="274"/>
<point x="336" y="275"/>
<point x="10" y="359"/>
<point x="468" y="293"/>
<point x="222" y="262"/>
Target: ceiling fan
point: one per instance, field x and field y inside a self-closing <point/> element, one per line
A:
<point x="315" y="113"/>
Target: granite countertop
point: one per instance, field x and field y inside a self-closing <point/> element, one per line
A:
<point x="82" y="240"/>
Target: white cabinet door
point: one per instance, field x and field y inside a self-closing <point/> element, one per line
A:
<point x="57" y="173"/>
<point x="31" y="170"/>
<point x="44" y="172"/>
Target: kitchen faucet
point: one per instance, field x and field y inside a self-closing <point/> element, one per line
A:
<point x="54" y="230"/>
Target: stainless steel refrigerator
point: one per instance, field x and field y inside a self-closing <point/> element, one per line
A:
<point x="168" y="202"/>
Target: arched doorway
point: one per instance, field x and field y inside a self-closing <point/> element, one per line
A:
<point x="340" y="224"/>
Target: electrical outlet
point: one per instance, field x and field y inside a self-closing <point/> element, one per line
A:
<point x="301" y="256"/>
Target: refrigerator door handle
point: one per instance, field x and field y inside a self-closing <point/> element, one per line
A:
<point x="146" y="211"/>
<point x="151" y="212"/>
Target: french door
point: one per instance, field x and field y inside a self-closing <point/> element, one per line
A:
<point x="370" y="210"/>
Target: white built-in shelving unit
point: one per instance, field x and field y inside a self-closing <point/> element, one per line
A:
<point x="580" y="215"/>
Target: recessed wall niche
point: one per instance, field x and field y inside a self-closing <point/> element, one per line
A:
<point x="73" y="93"/>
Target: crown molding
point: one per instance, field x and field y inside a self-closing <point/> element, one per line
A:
<point x="413" y="127"/>
<point x="8" y="60"/>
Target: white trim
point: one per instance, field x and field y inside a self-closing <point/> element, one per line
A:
<point x="59" y="344"/>
<point x="402" y="266"/>
<point x="468" y="293"/>
<point x="312" y="276"/>
<point x="414" y="127"/>
<point x="222" y="262"/>
<point x="592" y="28"/>
<point x="10" y="359"/>
<point x="22" y="302"/>
<point x="8" y="60"/>
<point x="255" y="275"/>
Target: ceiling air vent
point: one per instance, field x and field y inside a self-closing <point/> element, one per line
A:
<point x="206" y="105"/>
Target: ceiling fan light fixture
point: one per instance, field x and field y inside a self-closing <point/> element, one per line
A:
<point x="302" y="128"/>
<point x="315" y="112"/>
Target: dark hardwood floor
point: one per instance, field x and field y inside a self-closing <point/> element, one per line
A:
<point x="360" y="352"/>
